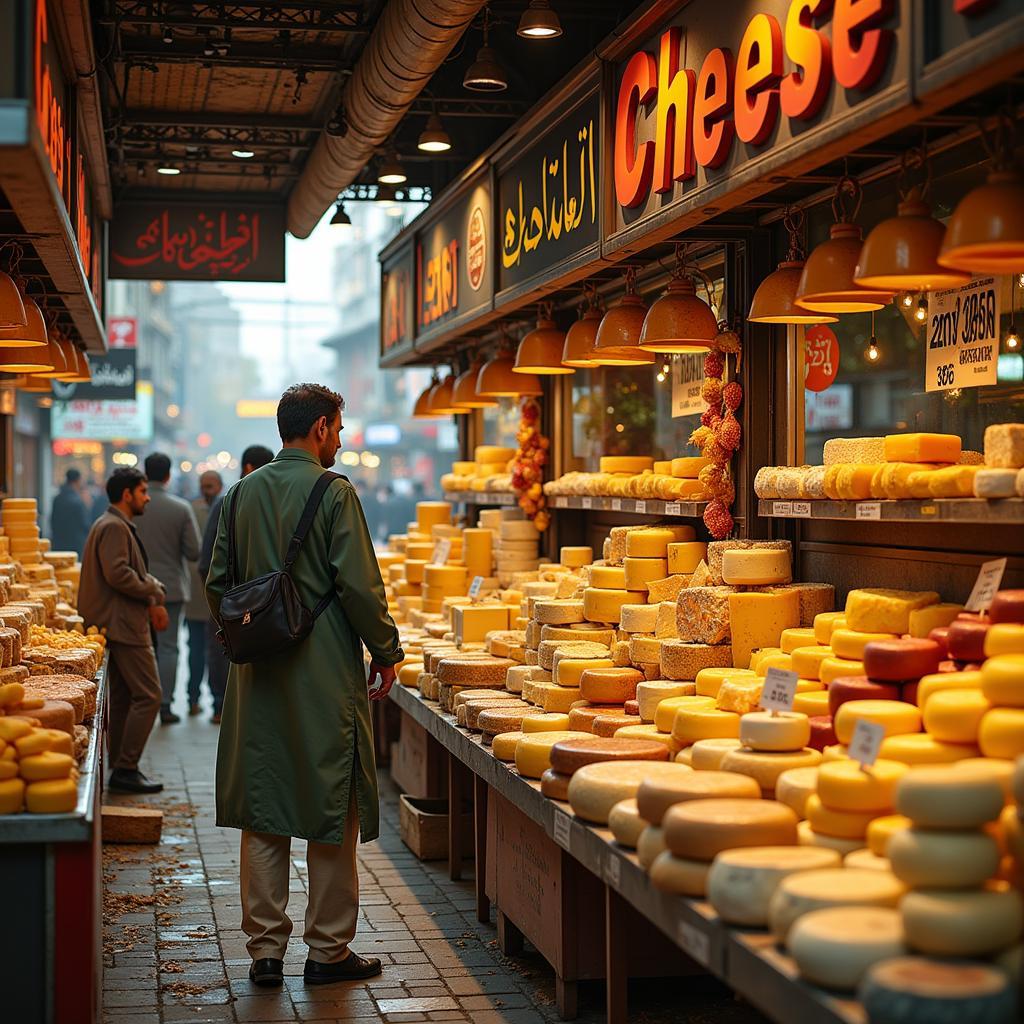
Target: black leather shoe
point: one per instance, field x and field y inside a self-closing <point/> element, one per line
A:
<point x="124" y="781"/>
<point x="168" y="717"/>
<point x="267" y="971"/>
<point x="193" y="710"/>
<point x="353" y="968"/>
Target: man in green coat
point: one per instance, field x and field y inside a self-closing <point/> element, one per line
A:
<point x="295" y="756"/>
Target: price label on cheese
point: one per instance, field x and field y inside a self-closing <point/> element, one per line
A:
<point x="779" y="690"/>
<point x="985" y="586"/>
<point x="587" y="503"/>
<point x="442" y="549"/>
<point x="563" y="830"/>
<point x="641" y="507"/>
<point x="696" y="942"/>
<point x="475" y="587"/>
<point x="867" y="739"/>
<point x="673" y="508"/>
<point x="869" y="510"/>
<point x="782" y="508"/>
<point x="802" y="509"/>
<point x="612" y="870"/>
<point x="616" y="504"/>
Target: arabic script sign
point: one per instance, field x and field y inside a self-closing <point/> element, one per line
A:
<point x="197" y="242"/>
<point x="549" y="197"/>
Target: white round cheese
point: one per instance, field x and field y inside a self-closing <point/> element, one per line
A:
<point x="964" y="922"/>
<point x="932" y="859"/>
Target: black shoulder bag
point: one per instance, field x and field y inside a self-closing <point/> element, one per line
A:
<point x="265" y="616"/>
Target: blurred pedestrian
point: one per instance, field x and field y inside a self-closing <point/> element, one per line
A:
<point x="197" y="611"/>
<point x="171" y="537"/>
<point x="296" y="750"/>
<point x="69" y="517"/>
<point x="253" y="458"/>
<point x="119" y="595"/>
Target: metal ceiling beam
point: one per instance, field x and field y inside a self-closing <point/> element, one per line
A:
<point x="145" y="50"/>
<point x="310" y="16"/>
<point x="215" y="119"/>
<point x="469" y="106"/>
<point x="190" y="135"/>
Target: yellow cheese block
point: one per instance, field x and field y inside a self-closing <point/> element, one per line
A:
<point x="429" y="513"/>
<point x="653" y="541"/>
<point x="836" y="668"/>
<point x="922" y="448"/>
<point x="846" y="786"/>
<point x="840" y="824"/>
<point x="825" y="623"/>
<point x="1006" y="638"/>
<point x="799" y="636"/>
<point x="1002" y="676"/>
<point x="920" y="748"/>
<point x="740" y="694"/>
<point x="601" y="605"/>
<point x="554" y="698"/>
<point x="691" y="724"/>
<point x="576" y="557"/>
<point x="807" y="661"/>
<point x="639" y="572"/>
<point x="53" y="796"/>
<point x="569" y="670"/>
<point x="626" y="463"/>
<point x="545" y="721"/>
<point x="665" y="712"/>
<point x="533" y="751"/>
<point x="923" y="620"/>
<point x="45" y="765"/>
<point x="952" y="482"/>
<point x="685" y="556"/>
<point x="811" y="702"/>
<point x="472" y="623"/>
<point x="884" y="610"/>
<point x="954" y="716"/>
<point x="895" y="716"/>
<point x="1001" y="733"/>
<point x="708" y="681"/>
<point x="608" y="577"/>
<point x="756" y="567"/>
<point x="939" y="681"/>
<point x="689" y="467"/>
<point x="757" y="620"/>
<point x="848" y="643"/>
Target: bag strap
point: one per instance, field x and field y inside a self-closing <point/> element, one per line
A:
<point x="306" y="521"/>
<point x="232" y="556"/>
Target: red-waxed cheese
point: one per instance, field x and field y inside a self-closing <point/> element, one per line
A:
<point x="822" y="733"/>
<point x="909" y="695"/>
<point x="1007" y="606"/>
<point x="895" y="660"/>
<point x="966" y="640"/>
<point x="941" y="636"/>
<point x="858" y="688"/>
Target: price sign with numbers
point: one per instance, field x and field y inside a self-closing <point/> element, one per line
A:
<point x="985" y="586"/>
<point x="696" y="942"/>
<point x="587" y="503"/>
<point x="962" y="336"/>
<point x="641" y="507"/>
<point x="563" y="830"/>
<point x="867" y="739"/>
<point x="673" y="508"/>
<point x="779" y="690"/>
<point x="475" y="587"/>
<point x="442" y="549"/>
<point x="821" y="357"/>
<point x="616" y="504"/>
<point x="782" y="508"/>
<point x="802" y="509"/>
<point x="869" y="510"/>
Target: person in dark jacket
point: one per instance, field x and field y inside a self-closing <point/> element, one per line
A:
<point x="69" y="518"/>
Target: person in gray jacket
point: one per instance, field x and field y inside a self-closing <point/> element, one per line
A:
<point x="171" y="537"/>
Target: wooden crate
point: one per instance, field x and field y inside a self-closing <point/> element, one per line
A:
<point x="423" y="824"/>
<point x="418" y="762"/>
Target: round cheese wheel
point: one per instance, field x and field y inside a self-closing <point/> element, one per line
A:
<point x="576" y="557"/>
<point x="625" y="823"/>
<point x="665" y="714"/>
<point x="823" y="734"/>
<point x="503" y="746"/>
<point x="708" y="681"/>
<point x="765" y="767"/>
<point x="656" y="796"/>
<point x="533" y="751"/>
<point x="932" y="859"/>
<point x="1002" y="679"/>
<point x="756" y="567"/>
<point x="834" y="668"/>
<point x="650" y="694"/>
<point x="568" y="756"/>
<point x="45" y="765"/>
<point x="608" y="577"/>
<point x="554" y="785"/>
<point x="825" y="623"/>
<point x="848" y="643"/>
<point x="704" y="723"/>
<point x="51" y="796"/>
<point x="596" y="788"/>
<point x="881" y="830"/>
<point x="964" y="922"/>
<point x="741" y="882"/>
<point x="966" y="640"/>
<point x="558" y="611"/>
<point x="928" y="685"/>
<point x="954" y="716"/>
<point x="906" y="990"/>
<point x="812" y="703"/>
<point x="786" y="730"/>
<point x="806" y="891"/>
<point x="847" y="688"/>
<point x="1007" y="606"/>
<point x="846" y="786"/>
<point x="707" y="755"/>
<point x="866" y="859"/>
<point x="551" y="721"/>
<point x="640" y="571"/>
<point x="1004" y="638"/>
<point x="920" y="748"/>
<point x="839" y="824"/>
<point x="794" y="637"/>
<point x="834" y="947"/>
<point x="475" y="708"/>
<point x="650" y="845"/>
<point x="609" y="685"/>
<point x="895" y="717"/>
<point x="611" y="722"/>
<point x="700" y="829"/>
<point x="806" y="836"/>
<point x="678" y="875"/>
<point x="1001" y="733"/>
<point x="949" y="798"/>
<point x="649" y="732"/>
<point x="1001" y="769"/>
<point x="807" y="661"/>
<point x="605" y="605"/>
<point x="941" y="636"/>
<point x="795" y="785"/>
<point x="901" y="658"/>
<point x="837" y="752"/>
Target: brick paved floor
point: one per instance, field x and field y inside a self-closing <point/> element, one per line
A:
<point x="174" y="950"/>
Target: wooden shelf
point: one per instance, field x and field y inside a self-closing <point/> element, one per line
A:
<point x="481" y="497"/>
<point x="934" y="510"/>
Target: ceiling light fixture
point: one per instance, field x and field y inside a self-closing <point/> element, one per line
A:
<point x="540" y="351"/>
<point x="485" y="74"/>
<point x="391" y="171"/>
<point x="433" y="138"/>
<point x="168" y="170"/>
<point x="539" y="21"/>
<point x="31" y="334"/>
<point x="243" y="154"/>
<point x="12" y="308"/>
<point x="341" y="218"/>
<point x="617" y="342"/>
<point x="168" y="35"/>
<point x="679" y="321"/>
<point x="465" y="394"/>
<point x="581" y="336"/>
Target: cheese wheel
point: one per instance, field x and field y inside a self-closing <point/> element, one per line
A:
<point x="922" y="749"/>
<point x="678" y="875"/>
<point x="954" y="716"/>
<point x="756" y="567"/>
<point x="608" y="577"/>
<point x="603" y="605"/>
<point x="900" y="659"/>
<point x="881" y="830"/>
<point x="822" y="733"/>
<point x="632" y="731"/>
<point x="763" y="730"/>
<point x="700" y="829"/>
<point x="813" y="703"/>
<point x="472" y="669"/>
<point x="1005" y="638"/>
<point x="806" y="661"/>
<point x="709" y="681"/>
<point x="866" y="859"/>
<point x="1002" y="676"/>
<point x="1000" y="769"/>
<point x="568" y="756"/>
<point x="580" y="632"/>
<point x="690" y="724"/>
<point x="576" y="557"/>
<point x="640" y="571"/>
<point x="806" y="891"/>
<point x="1001" y="733"/>
<point x="947" y="798"/>
<point x="685" y="556"/>
<point x="840" y="824"/>
<point x="609" y="724"/>
<point x="797" y="636"/>
<point x="765" y="767"/>
<point x="795" y="785"/>
<point x="558" y="611"/>
<point x="779" y="661"/>
<point x="965" y="640"/>
<point x="683" y="661"/>
<point x="632" y="464"/>
<point x="656" y="796"/>
<point x="834" y="947"/>
<point x="52" y="796"/>
<point x="665" y="715"/>
<point x="493" y="720"/>
<point x="554" y="785"/>
<point x="649" y="846"/>
<point x="894" y="716"/>
<point x="625" y="823"/>
<point x="835" y="668"/>
<point x="568" y="671"/>
<point x="1007" y="606"/>
<point x="845" y="786"/>
<point x="824" y="625"/>
<point x="966" y="922"/>
<point x="533" y="751"/>
<point x="848" y="643"/>
<point x="650" y="694"/>
<point x="638" y="618"/>
<point x="609" y="685"/>
<point x="553" y="721"/>
<point x="932" y="859"/>
<point x="469" y="713"/>
<point x="707" y="755"/>
<point x="939" y="681"/>
<point x="596" y="788"/>
<point x="849" y="688"/>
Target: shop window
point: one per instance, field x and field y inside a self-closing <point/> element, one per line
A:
<point x="879" y="389"/>
<point x="501" y="423"/>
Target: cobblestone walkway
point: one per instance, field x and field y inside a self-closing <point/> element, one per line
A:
<point x="174" y="950"/>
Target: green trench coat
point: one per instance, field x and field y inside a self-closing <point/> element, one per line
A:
<point x="296" y="732"/>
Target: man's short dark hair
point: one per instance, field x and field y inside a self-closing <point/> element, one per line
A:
<point x="72" y="476"/>
<point x="302" y="405"/>
<point x="158" y="467"/>
<point x="256" y="455"/>
<point x="125" y="478"/>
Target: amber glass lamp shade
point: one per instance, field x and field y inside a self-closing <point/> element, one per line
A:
<point x="32" y="335"/>
<point x="54" y="353"/>
<point x="985" y="235"/>
<point x="540" y="351"/>
<point x="498" y="379"/>
<point x="421" y="408"/>
<point x="618" y="335"/>
<point x="826" y="283"/>
<point x="81" y="374"/>
<point x="679" y="321"/>
<point x="775" y="299"/>
<point x="465" y="394"/>
<point x="902" y="252"/>
<point x="580" y="340"/>
<point x="12" y="308"/>
<point x="34" y="384"/>
<point x="441" y="401"/>
<point x="25" y="360"/>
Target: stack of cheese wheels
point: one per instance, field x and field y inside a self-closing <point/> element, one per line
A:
<point x="604" y="692"/>
<point x="597" y="787"/>
<point x="1001" y="727"/>
<point x="518" y="545"/>
<point x="771" y="743"/>
<point x="949" y="858"/>
<point x="491" y="460"/>
<point x="1012" y="821"/>
<point x="19" y="517"/>
<point x="568" y="756"/>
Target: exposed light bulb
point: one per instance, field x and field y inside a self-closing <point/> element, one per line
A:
<point x="921" y="313"/>
<point x="168" y="35"/>
<point x="1020" y="280"/>
<point x="906" y="300"/>
<point x="1013" y="339"/>
<point x="872" y="354"/>
<point x="660" y="378"/>
<point x="665" y="368"/>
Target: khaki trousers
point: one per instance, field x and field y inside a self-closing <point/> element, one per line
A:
<point x="134" y="702"/>
<point x="333" y="904"/>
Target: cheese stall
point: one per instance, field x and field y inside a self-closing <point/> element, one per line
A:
<point x="721" y="624"/>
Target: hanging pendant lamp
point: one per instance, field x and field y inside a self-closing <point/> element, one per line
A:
<point x="498" y="379"/>
<point x="679" y="321"/>
<point x="465" y="394"/>
<point x="33" y="384"/>
<point x="540" y="351"/>
<point x="441" y="399"/>
<point x="617" y="342"/>
<point x="25" y="360"/>
<point x="32" y="335"/>
<point x="826" y="283"/>
<point x="81" y="374"/>
<point x="12" y="308"/>
<point x="54" y="353"/>
<point x="582" y="335"/>
<point x="421" y="408"/>
<point x="774" y="301"/>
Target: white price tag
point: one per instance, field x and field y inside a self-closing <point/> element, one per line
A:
<point x="616" y="504"/>
<point x="612" y="870"/>
<point x="475" y="587"/>
<point x="561" y="503"/>
<point x="442" y="549"/>
<point x="963" y="336"/>
<point x="641" y="507"/>
<point x="990" y="575"/>
<point x="563" y="830"/>
<point x="779" y="690"/>
<point x="696" y="942"/>
<point x="673" y="508"/>
<point x="782" y="508"/>
<point x="587" y="503"/>
<point x="867" y="738"/>
<point x="869" y="510"/>
<point x="802" y="509"/>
